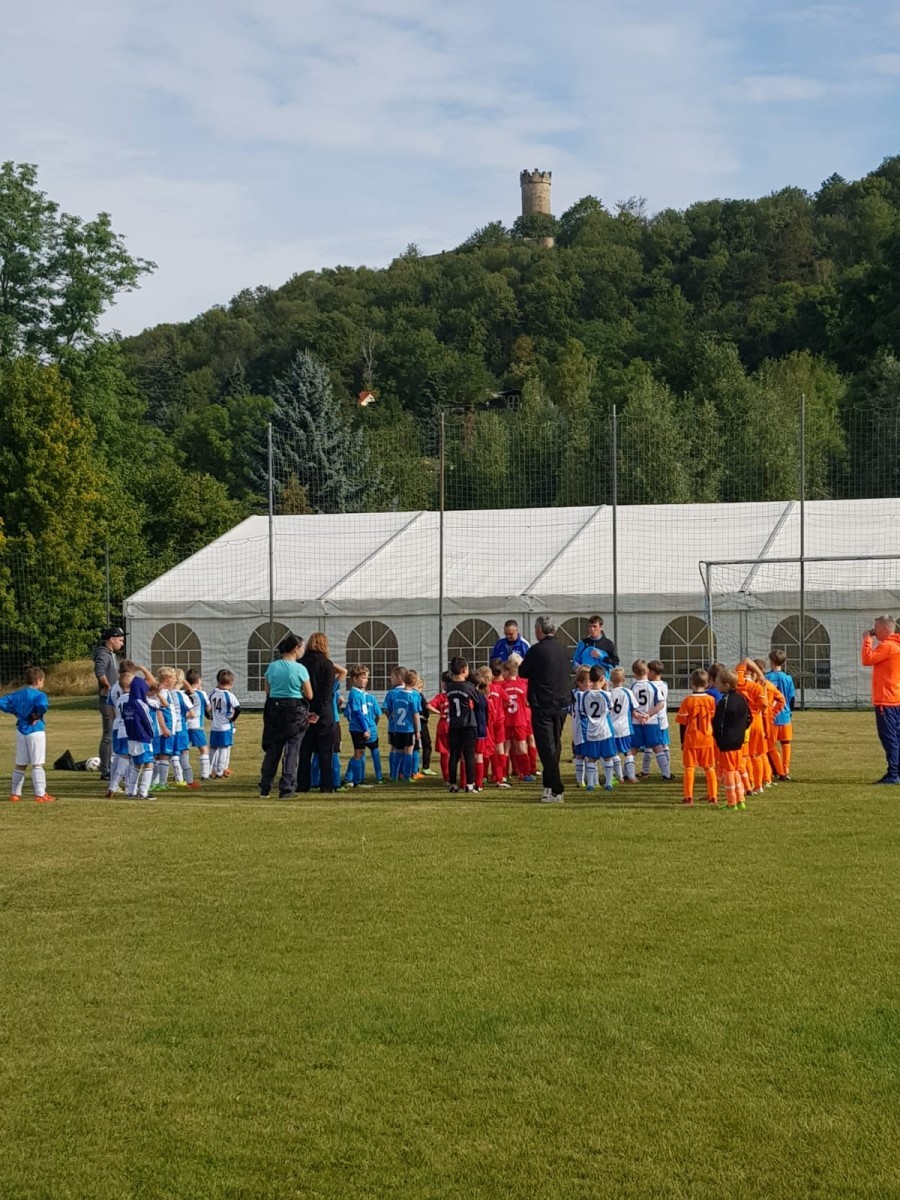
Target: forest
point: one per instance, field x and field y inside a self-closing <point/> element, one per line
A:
<point x="703" y="328"/>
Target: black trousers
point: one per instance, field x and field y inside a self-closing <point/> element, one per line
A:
<point x="108" y="716"/>
<point x="462" y="744"/>
<point x="548" y="727"/>
<point x="318" y="740"/>
<point x="283" y="724"/>
<point x="425" y="737"/>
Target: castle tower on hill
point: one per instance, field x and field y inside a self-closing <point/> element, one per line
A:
<point x="536" y="197"/>
<point x="535" y="192"/>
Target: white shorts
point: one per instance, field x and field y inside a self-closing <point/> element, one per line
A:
<point x="31" y="749"/>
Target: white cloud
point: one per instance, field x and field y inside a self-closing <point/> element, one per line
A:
<point x="885" y="64"/>
<point x="237" y="142"/>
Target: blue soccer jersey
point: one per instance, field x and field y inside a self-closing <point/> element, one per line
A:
<point x="359" y="714"/>
<point x="28" y="706"/>
<point x="785" y="685"/>
<point x="399" y="706"/>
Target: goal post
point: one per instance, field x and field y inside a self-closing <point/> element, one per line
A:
<point x="815" y="608"/>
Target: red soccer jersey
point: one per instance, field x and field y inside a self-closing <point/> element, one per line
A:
<point x="496" y="715"/>
<point x="440" y="731"/>
<point x="515" y="703"/>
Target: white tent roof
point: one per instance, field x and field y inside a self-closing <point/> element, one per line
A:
<point x="373" y="564"/>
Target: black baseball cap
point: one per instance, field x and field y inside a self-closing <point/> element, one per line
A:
<point x="111" y="632"/>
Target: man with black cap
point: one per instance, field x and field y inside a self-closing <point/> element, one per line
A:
<point x="106" y="668"/>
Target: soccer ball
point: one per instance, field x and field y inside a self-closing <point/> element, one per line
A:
<point x="93" y="764"/>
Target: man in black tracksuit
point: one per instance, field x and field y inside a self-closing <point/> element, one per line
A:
<point x="546" y="667"/>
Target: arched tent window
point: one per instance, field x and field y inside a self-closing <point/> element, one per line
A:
<point x="259" y="653"/>
<point x="571" y="632"/>
<point x="473" y="640"/>
<point x="816" y="647"/>
<point x="175" y="645"/>
<point x="684" y="645"/>
<point x="374" y="645"/>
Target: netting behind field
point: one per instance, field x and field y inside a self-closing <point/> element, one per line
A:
<point x="418" y="534"/>
<point x="816" y="611"/>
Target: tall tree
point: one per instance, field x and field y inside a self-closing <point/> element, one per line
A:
<point x="58" y="273"/>
<point x="314" y="443"/>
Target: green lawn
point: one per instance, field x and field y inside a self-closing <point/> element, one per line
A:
<point x="398" y="994"/>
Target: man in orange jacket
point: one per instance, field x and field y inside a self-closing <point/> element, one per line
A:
<point x="881" y="652"/>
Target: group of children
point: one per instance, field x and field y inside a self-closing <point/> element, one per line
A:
<point x="735" y="727"/>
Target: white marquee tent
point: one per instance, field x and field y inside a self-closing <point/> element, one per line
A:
<point x="371" y="582"/>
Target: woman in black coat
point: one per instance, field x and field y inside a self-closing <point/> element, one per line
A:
<point x="319" y="737"/>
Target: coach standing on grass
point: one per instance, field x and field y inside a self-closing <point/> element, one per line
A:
<point x="881" y="652"/>
<point x="106" y="668"/>
<point x="546" y="667"/>
<point x="285" y="717"/>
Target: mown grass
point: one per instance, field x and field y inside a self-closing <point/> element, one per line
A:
<point x="395" y="994"/>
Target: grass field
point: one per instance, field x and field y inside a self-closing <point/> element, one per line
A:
<point x="398" y="994"/>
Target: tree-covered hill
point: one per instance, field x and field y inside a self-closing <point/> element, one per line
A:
<point x="710" y="321"/>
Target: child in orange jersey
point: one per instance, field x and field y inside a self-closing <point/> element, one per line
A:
<point x="751" y="685"/>
<point x="730" y="725"/>
<point x="699" y="750"/>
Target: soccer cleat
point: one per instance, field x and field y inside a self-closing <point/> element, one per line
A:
<point x="502" y="783"/>
<point x="14" y="799"/>
<point x="582" y="784"/>
<point x="607" y="787"/>
<point x="419" y="775"/>
<point x="742" y="806"/>
<point x="452" y="789"/>
<point x="628" y="780"/>
<point x="688" y="801"/>
<point x="713" y="801"/>
<point x="427" y="771"/>
<point x="551" y="798"/>
<point x="110" y="795"/>
<point x="193" y="787"/>
<point x="587" y="789"/>
<point x="226" y="772"/>
<point x="180" y="783"/>
<point x="643" y="774"/>
<point x="886" y="779"/>
<point x="529" y="779"/>
<point x="45" y="799"/>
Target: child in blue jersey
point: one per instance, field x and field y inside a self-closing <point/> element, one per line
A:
<point x="29" y="706"/>
<point x="403" y="725"/>
<point x="225" y="709"/>
<point x="783" y="722"/>
<point x="373" y="747"/>
<point x="659" y="717"/>
<point x="417" y="700"/>
<point x="582" y="683"/>
<point x="196" y="719"/>
<point x="646" y="733"/>
<point x="362" y="723"/>
<point x="621" y="703"/>
<point x="159" y="701"/>
<point x="599" y="740"/>
<point x="121" y="761"/>
<point x="140" y="731"/>
<point x="183" y="705"/>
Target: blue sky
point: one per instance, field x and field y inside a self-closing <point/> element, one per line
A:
<point x="237" y="143"/>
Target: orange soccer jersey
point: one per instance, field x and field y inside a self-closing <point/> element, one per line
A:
<point x="696" y="715"/>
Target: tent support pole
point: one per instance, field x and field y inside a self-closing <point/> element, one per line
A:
<point x="614" y="471"/>
<point x="271" y="543"/>
<point x="802" y="636"/>
<point x="442" y="501"/>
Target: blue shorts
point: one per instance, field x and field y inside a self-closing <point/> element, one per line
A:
<point x="197" y="738"/>
<point x="603" y="749"/>
<point x="181" y="741"/>
<point x="220" y="738"/>
<point x="140" y="753"/>
<point x="163" y="746"/>
<point x="120" y="746"/>
<point x="623" y="744"/>
<point x="645" y="737"/>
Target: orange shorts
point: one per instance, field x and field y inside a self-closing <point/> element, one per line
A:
<point x="700" y="756"/>
<point x="757" y="738"/>
<point x="729" y="760"/>
<point x="784" y="733"/>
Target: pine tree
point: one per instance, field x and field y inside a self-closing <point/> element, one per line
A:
<point x="314" y="445"/>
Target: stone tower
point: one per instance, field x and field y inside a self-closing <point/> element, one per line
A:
<point x="535" y="192"/>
